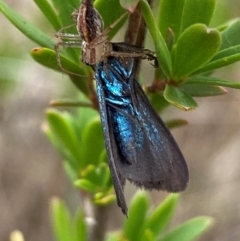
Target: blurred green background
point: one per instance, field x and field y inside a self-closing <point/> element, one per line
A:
<point x="31" y="170"/>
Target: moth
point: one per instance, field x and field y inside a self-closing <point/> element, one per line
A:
<point x="139" y="146"/>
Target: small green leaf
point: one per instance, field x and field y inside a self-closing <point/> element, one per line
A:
<point x="80" y="227"/>
<point x="104" y="176"/>
<point x="221" y="62"/>
<point x="189" y="230"/>
<point x="86" y="185"/>
<point x="202" y="90"/>
<point x="133" y="227"/>
<point x="48" y="58"/>
<point x="162" y="215"/>
<point x="104" y="200"/>
<point x="89" y="173"/>
<point x="162" y="51"/>
<point x="26" y="27"/>
<point x="170" y="16"/>
<point x="61" y="221"/>
<point x="109" y="17"/>
<point x="179" y="98"/>
<point x="175" y="123"/>
<point x="197" y="11"/>
<point x="65" y="10"/>
<point x="92" y="137"/>
<point x="208" y="80"/>
<point x="148" y="236"/>
<point x="195" y="47"/>
<point x="231" y="35"/>
<point x="49" y="13"/>
<point x="63" y="130"/>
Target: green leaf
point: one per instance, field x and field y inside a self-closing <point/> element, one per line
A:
<point x="80" y="227"/>
<point x="26" y="27"/>
<point x="104" y="177"/>
<point x="208" y="80"/>
<point x="175" y="123"/>
<point x="61" y="221"/>
<point x="86" y="185"/>
<point x="93" y="144"/>
<point x="197" y="11"/>
<point x="49" y="13"/>
<point x="221" y="62"/>
<point x="202" y="90"/>
<point x="105" y="8"/>
<point x="162" y="51"/>
<point x="63" y="130"/>
<point x="170" y="16"/>
<point x="133" y="227"/>
<point x="189" y="230"/>
<point x="84" y="115"/>
<point x="148" y="236"/>
<point x="195" y="47"/>
<point x="162" y="215"/>
<point x="229" y="51"/>
<point x="179" y="98"/>
<point x="103" y="200"/>
<point x="65" y="10"/>
<point x="231" y="36"/>
<point x="48" y="58"/>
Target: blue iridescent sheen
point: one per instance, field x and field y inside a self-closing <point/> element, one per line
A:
<point x="140" y="147"/>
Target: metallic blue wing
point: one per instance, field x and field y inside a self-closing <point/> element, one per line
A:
<point x="140" y="147"/>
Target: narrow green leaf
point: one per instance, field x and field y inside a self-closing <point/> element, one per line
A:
<point x="179" y="98"/>
<point x="26" y="27"/>
<point x="48" y="58"/>
<point x="103" y="200"/>
<point x="65" y="10"/>
<point x="195" y="47"/>
<point x="170" y="16"/>
<point x="202" y="90"/>
<point x="219" y="63"/>
<point x="114" y="236"/>
<point x="175" y="123"/>
<point x="231" y="35"/>
<point x="89" y="173"/>
<point x="133" y="227"/>
<point x="208" y="80"/>
<point x="84" y="115"/>
<point x="162" y="51"/>
<point x="226" y="53"/>
<point x="197" y="11"/>
<point x="104" y="177"/>
<point x="49" y="13"/>
<point x="70" y="165"/>
<point x="148" y="236"/>
<point x="63" y="130"/>
<point x="105" y="8"/>
<point x="61" y="221"/>
<point x="162" y="215"/>
<point x="80" y="227"/>
<point x="92" y="137"/>
<point x="189" y="230"/>
<point x="86" y="185"/>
